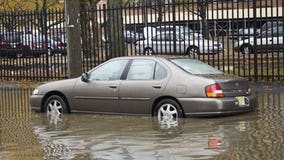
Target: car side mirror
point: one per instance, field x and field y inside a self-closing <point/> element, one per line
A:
<point x="85" y="77"/>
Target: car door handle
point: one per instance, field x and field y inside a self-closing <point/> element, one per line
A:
<point x="113" y="86"/>
<point x="157" y="86"/>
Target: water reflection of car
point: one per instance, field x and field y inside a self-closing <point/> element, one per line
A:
<point x="167" y="88"/>
<point x="172" y="43"/>
<point x="11" y="45"/>
<point x="268" y="41"/>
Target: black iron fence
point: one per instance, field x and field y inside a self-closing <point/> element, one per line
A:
<point x="243" y="38"/>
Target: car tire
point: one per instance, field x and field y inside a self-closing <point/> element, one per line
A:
<point x="19" y="55"/>
<point x="247" y="49"/>
<point x="55" y="104"/>
<point x="193" y="51"/>
<point x="148" y="51"/>
<point x="168" y="109"/>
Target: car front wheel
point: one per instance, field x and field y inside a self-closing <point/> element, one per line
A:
<point x="55" y="104"/>
<point x="193" y="51"/>
<point x="247" y="49"/>
<point x="148" y="51"/>
<point x="168" y="109"/>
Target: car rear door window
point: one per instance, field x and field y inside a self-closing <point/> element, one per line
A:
<point x="141" y="70"/>
<point x="146" y="70"/>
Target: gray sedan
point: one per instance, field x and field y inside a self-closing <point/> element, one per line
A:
<point x="170" y="42"/>
<point x="164" y="87"/>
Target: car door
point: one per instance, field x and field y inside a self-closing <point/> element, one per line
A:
<point x="265" y="41"/>
<point x="278" y="39"/>
<point x="146" y="79"/>
<point x="100" y="92"/>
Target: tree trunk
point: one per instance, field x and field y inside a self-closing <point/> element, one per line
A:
<point x="115" y="29"/>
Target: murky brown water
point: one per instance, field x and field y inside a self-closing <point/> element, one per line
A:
<point x="28" y="135"/>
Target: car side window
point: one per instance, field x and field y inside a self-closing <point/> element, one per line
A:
<point x="141" y="70"/>
<point x="110" y="71"/>
<point x="278" y="32"/>
<point x="160" y="72"/>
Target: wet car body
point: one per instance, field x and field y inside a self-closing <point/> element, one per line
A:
<point x="136" y="93"/>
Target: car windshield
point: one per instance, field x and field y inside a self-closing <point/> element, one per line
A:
<point x="194" y="66"/>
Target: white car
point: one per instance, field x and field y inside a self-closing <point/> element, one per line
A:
<point x="269" y="40"/>
<point x="171" y="43"/>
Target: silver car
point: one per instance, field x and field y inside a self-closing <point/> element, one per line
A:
<point x="165" y="87"/>
<point x="172" y="43"/>
<point x="270" y="40"/>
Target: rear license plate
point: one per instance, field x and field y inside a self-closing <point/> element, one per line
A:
<point x="243" y="101"/>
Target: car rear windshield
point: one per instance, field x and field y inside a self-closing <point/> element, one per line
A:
<point x="195" y="66"/>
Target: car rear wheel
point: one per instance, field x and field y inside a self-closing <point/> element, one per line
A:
<point x="148" y="51"/>
<point x="247" y="49"/>
<point x="193" y="51"/>
<point x="55" y="104"/>
<point x="168" y="109"/>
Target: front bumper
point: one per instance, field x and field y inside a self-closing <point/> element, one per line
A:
<point x="204" y="107"/>
<point x="35" y="101"/>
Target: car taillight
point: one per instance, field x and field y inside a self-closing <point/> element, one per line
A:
<point x="136" y="43"/>
<point x="3" y="45"/>
<point x="249" y="91"/>
<point x="214" y="91"/>
<point x="60" y="45"/>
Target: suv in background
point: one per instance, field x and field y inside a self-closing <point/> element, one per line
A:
<point x="269" y="40"/>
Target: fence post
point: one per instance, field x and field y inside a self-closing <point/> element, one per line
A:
<point x="72" y="14"/>
<point x="255" y="41"/>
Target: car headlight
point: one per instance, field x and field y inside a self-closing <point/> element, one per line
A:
<point x="35" y="92"/>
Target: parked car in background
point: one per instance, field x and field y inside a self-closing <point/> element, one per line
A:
<point x="268" y="41"/>
<point x="41" y="44"/>
<point x="129" y="36"/>
<point x="245" y="33"/>
<point x="172" y="43"/>
<point x="178" y="29"/>
<point x="167" y="88"/>
<point x="12" y="46"/>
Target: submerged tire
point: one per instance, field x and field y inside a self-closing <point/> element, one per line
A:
<point x="168" y="109"/>
<point x="55" y="104"/>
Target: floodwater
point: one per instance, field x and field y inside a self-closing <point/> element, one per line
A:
<point x="25" y="134"/>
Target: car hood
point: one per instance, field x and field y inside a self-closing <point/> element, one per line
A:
<point x="61" y="85"/>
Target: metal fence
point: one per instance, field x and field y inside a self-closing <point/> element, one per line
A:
<point x="243" y="38"/>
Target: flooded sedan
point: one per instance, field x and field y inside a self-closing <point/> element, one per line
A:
<point x="168" y="88"/>
<point x="28" y="135"/>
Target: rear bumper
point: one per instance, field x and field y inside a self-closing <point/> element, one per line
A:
<point x="204" y="107"/>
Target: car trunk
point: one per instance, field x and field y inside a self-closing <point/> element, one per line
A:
<point x="231" y="86"/>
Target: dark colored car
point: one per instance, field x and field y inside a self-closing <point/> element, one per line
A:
<point x="11" y="45"/>
<point x="167" y="88"/>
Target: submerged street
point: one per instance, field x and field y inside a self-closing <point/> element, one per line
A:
<point x="25" y="134"/>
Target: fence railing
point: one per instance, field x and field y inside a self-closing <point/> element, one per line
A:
<point x="241" y="38"/>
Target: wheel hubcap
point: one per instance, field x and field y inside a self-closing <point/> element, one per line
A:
<point x="54" y="107"/>
<point x="167" y="112"/>
<point x="193" y="52"/>
<point x="148" y="52"/>
<point x="246" y="50"/>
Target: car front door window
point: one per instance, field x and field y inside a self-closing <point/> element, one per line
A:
<point x="110" y="71"/>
